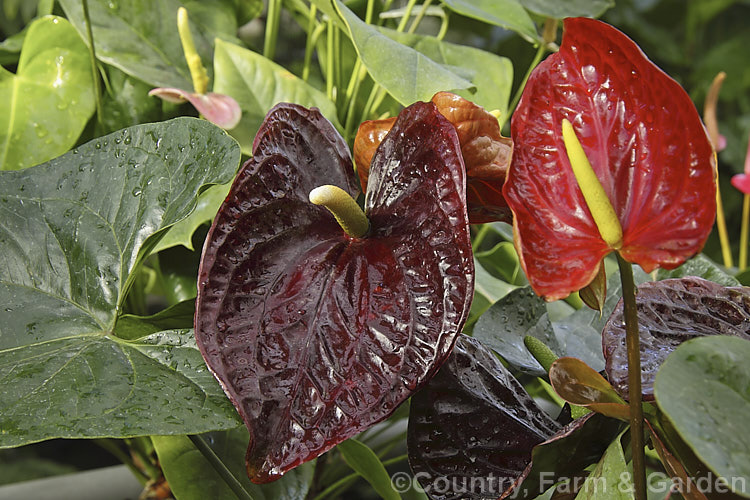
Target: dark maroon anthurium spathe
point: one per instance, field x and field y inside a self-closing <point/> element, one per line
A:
<point x="474" y="432"/>
<point x="316" y="335"/>
<point x="646" y="144"/>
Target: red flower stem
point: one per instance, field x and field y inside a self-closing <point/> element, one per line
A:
<point x="744" y="231"/>
<point x="632" y="339"/>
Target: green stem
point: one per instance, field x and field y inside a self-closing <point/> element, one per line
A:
<point x="220" y="468"/>
<point x="329" y="60"/>
<point x="407" y="15"/>
<point x="92" y="57"/>
<point x="351" y="97"/>
<point x="443" y="26"/>
<point x="312" y="38"/>
<point x="484" y="230"/>
<point x="632" y="339"/>
<point x="272" y="28"/>
<point x="744" y="231"/>
<point x="369" y="12"/>
<point x="351" y="477"/>
<point x="110" y="446"/>
<point x="420" y="16"/>
<point x="534" y="62"/>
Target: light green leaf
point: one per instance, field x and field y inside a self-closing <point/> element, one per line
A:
<point x="46" y="104"/>
<point x="610" y="478"/>
<point x="191" y="476"/>
<point x="258" y="84"/>
<point x="74" y="231"/>
<point x="568" y="8"/>
<point x="407" y="74"/>
<point x="504" y="13"/>
<point x="702" y="388"/>
<point x="182" y="233"/>
<point x="140" y="38"/>
<point x="367" y="464"/>
<point x="491" y="74"/>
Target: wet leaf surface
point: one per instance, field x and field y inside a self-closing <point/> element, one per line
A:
<point x="315" y="335"/>
<point x="669" y="313"/>
<point x="45" y="105"/>
<point x="71" y="246"/>
<point x="645" y="143"/>
<point x="473" y="420"/>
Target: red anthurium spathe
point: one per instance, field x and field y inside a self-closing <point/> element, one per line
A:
<point x="646" y="145"/>
<point x="316" y="335"/>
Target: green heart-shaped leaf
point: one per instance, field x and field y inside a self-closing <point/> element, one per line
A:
<point x="46" y="104"/>
<point x="703" y="388"/>
<point x="74" y="231"/>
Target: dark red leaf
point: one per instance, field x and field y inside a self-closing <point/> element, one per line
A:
<point x="645" y="141"/>
<point x="669" y="313"/>
<point x="314" y="335"/>
<point x="473" y="426"/>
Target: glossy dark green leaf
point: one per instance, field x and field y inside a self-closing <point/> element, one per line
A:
<point x="45" y="105"/>
<point x="74" y="232"/>
<point x="568" y="8"/>
<point x="207" y="205"/>
<point x="257" y="84"/>
<point x="180" y="315"/>
<point x="125" y="103"/>
<point x="491" y="74"/>
<point x="405" y="73"/>
<point x="700" y="266"/>
<point x="473" y="420"/>
<point x="669" y="313"/>
<point x="140" y="38"/>
<point x="507" y="14"/>
<point x="192" y="477"/>
<point x="581" y="332"/>
<point x="505" y="324"/>
<point x="92" y="385"/>
<point x="365" y="462"/>
<point x="702" y="387"/>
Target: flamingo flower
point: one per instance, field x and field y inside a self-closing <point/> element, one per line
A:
<point x="646" y="146"/>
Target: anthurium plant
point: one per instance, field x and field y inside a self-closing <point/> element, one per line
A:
<point x="373" y="262"/>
